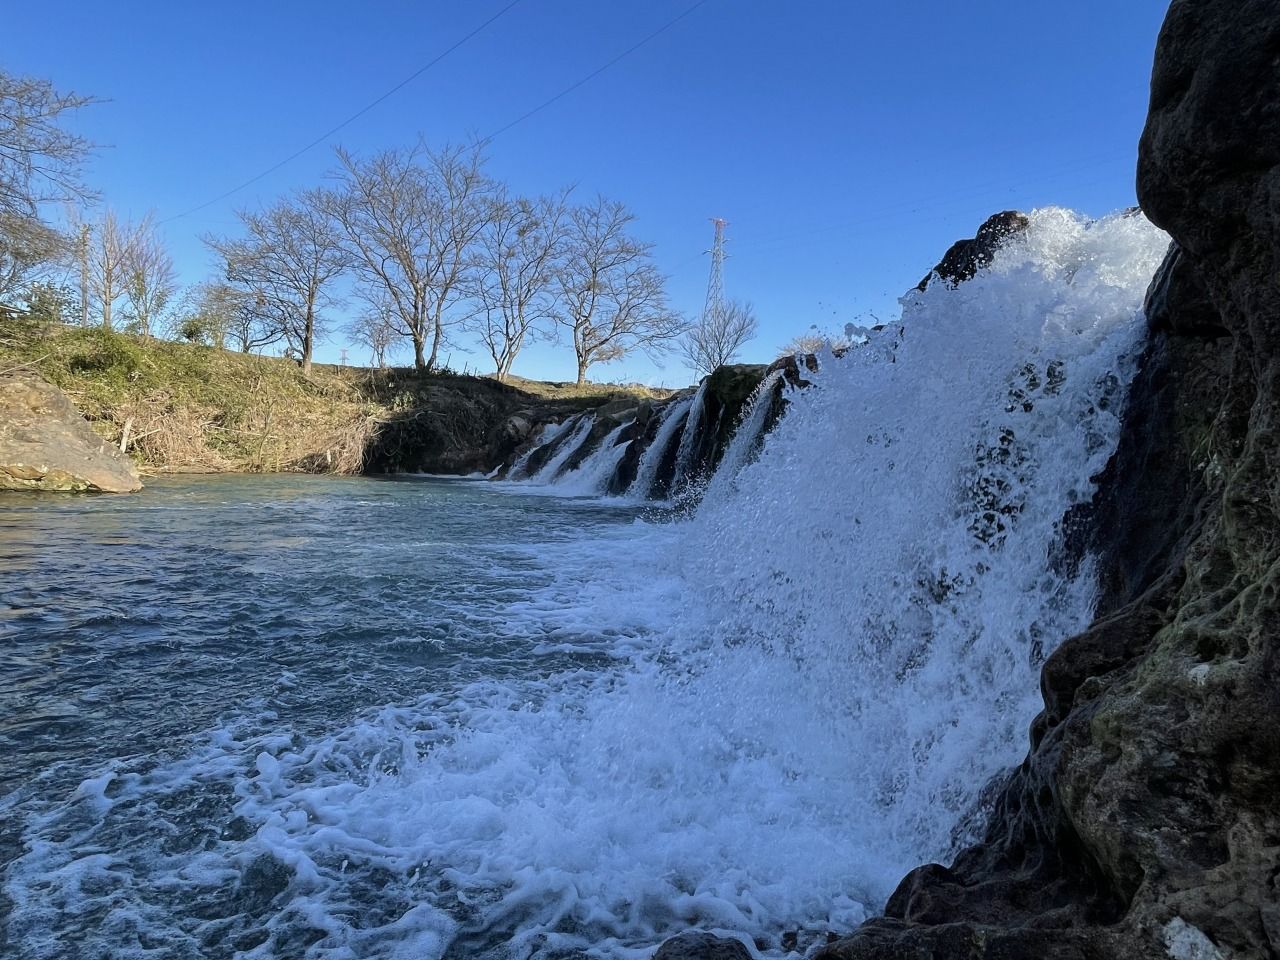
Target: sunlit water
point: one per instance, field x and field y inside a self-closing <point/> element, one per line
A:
<point x="204" y="618"/>
<point x="274" y="717"/>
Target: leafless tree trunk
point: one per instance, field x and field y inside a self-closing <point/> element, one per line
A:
<point x="411" y="220"/>
<point x="613" y="298"/>
<point x="715" y="339"/>
<point x="285" y="265"/>
<point x="110" y="253"/>
<point x="151" y="282"/>
<point x="520" y="250"/>
<point x="83" y="237"/>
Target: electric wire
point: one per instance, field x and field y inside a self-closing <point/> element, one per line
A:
<point x="349" y="120"/>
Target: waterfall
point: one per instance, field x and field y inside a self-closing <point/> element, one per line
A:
<point x="747" y="437"/>
<point x="548" y="433"/>
<point x="893" y="548"/>
<point x="551" y="469"/>
<point x="675" y="415"/>
<point x="689" y="441"/>
<point x="756" y="719"/>
<point x="592" y="475"/>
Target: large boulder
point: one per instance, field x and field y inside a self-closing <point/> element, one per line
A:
<point x="1145" y="823"/>
<point x="45" y="444"/>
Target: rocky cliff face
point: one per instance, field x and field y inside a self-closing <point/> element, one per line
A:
<point x="1145" y="821"/>
<point x="45" y="444"/>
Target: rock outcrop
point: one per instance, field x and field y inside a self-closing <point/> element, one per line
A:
<point x="1146" y="820"/>
<point x="964" y="258"/>
<point x="45" y="444"/>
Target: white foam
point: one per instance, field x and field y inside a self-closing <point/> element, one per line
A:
<point x="782" y="706"/>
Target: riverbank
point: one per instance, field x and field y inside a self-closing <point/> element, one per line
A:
<point x="190" y="408"/>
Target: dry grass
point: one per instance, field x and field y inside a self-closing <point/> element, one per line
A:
<point x="187" y="408"/>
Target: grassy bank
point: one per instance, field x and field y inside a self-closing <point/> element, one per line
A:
<point x="180" y="407"/>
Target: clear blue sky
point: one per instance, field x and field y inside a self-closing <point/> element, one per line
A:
<point x="848" y="144"/>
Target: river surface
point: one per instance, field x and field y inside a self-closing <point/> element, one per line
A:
<point x="135" y="629"/>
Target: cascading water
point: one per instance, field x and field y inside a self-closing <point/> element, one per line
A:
<point x="567" y="447"/>
<point x="774" y="709"/>
<point x="746" y="438"/>
<point x="549" y="433"/>
<point x="592" y="475"/>
<point x="688" y="437"/>
<point x="674" y="418"/>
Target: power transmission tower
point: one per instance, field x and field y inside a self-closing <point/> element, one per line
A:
<point x="715" y="283"/>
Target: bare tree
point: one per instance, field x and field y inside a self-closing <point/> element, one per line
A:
<point x="613" y="298"/>
<point x="412" y="219"/>
<point x="286" y="265"/>
<point x="813" y="341"/>
<point x="109" y="252"/>
<point x="716" y="339"/>
<point x="216" y="312"/>
<point x="520" y="248"/>
<point x="374" y="327"/>
<point x="39" y="160"/>
<point x="29" y="250"/>
<point x="150" y="281"/>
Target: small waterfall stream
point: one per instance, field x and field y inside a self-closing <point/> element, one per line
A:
<point x="592" y="475"/>
<point x="548" y="433"/>
<point x="748" y="436"/>
<point x="688" y="441"/>
<point x="674" y="416"/>
<point x="567" y="446"/>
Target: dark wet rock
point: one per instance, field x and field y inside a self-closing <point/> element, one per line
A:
<point x="728" y="390"/>
<point x="1178" y="302"/>
<point x="264" y="879"/>
<point x="638" y="436"/>
<point x="966" y="257"/>
<point x="45" y="444"/>
<point x="517" y="427"/>
<point x="791" y="365"/>
<point x="1145" y="822"/>
<point x="697" y="945"/>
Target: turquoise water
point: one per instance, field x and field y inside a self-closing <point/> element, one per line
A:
<point x="132" y="626"/>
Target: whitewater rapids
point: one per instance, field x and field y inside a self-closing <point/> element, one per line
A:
<point x="790" y="699"/>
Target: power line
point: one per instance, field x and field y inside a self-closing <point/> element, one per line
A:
<point x="351" y="119"/>
<point x="596" y="72"/>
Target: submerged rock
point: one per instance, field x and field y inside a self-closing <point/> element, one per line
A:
<point x="1145" y="822"/>
<point x="45" y="444"/>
